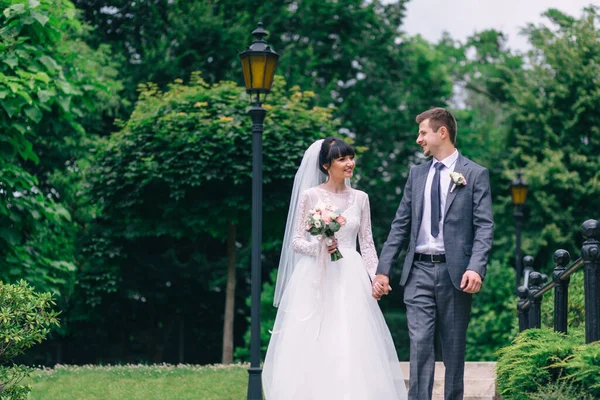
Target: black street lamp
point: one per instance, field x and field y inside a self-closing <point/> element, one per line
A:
<point x="518" y="190"/>
<point x="258" y="63"/>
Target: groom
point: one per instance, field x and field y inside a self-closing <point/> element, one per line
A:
<point x="445" y="220"/>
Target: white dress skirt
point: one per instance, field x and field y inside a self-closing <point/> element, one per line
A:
<point x="330" y="340"/>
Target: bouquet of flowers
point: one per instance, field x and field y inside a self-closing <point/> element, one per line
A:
<point x="323" y="222"/>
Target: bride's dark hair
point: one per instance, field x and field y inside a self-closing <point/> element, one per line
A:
<point x="331" y="149"/>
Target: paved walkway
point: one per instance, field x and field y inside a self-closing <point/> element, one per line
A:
<point x="480" y="380"/>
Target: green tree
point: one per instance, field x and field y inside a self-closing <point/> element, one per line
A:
<point x="55" y="91"/>
<point x="45" y="91"/>
<point x="179" y="171"/>
<point x="554" y="132"/>
<point x="352" y="54"/>
<point x="161" y="40"/>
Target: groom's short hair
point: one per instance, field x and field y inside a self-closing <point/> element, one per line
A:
<point x="439" y="117"/>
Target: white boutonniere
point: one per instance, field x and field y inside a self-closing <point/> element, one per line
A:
<point x="458" y="179"/>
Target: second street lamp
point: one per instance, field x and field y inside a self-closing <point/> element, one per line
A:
<point x="518" y="191"/>
<point x="258" y="64"/>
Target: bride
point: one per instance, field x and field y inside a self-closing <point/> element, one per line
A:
<point x="330" y="340"/>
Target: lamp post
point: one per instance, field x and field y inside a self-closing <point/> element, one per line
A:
<point x="258" y="64"/>
<point x="518" y="190"/>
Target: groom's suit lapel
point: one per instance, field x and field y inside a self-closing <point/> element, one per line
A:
<point x="461" y="166"/>
<point x="420" y="179"/>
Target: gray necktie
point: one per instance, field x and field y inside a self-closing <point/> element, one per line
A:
<point x="436" y="209"/>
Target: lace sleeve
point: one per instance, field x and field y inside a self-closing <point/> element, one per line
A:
<point x="365" y="239"/>
<point x="301" y="243"/>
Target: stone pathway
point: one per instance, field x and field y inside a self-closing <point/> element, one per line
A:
<point x="479" y="380"/>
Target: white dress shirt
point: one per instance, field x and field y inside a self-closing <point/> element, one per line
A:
<point x="426" y="243"/>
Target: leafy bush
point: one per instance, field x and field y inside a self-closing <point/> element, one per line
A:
<point x="560" y="391"/>
<point x="10" y="377"/>
<point x="532" y="361"/>
<point x="583" y="369"/>
<point x="26" y="317"/>
<point x="542" y="364"/>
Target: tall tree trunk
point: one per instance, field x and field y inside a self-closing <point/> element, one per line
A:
<point x="181" y="338"/>
<point x="229" y="297"/>
<point x="59" y="350"/>
<point x="159" y="345"/>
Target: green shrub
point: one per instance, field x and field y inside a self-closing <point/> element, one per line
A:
<point x="542" y="364"/>
<point x="560" y="391"/>
<point x="531" y="362"/>
<point x="583" y="369"/>
<point x="26" y="317"/>
<point x="10" y="377"/>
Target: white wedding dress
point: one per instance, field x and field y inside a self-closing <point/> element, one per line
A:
<point x="330" y="340"/>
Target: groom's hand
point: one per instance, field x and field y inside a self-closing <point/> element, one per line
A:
<point x="471" y="282"/>
<point x="381" y="286"/>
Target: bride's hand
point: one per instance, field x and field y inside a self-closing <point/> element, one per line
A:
<point x="333" y="246"/>
<point x="381" y="286"/>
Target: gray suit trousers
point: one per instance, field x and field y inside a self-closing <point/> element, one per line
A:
<point x="433" y="302"/>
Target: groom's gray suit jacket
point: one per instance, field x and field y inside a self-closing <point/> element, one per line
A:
<point x="468" y="223"/>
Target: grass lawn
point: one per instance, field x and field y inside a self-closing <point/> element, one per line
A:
<point x="141" y="382"/>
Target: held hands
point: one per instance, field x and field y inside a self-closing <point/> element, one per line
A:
<point x="381" y="286"/>
<point x="471" y="282"/>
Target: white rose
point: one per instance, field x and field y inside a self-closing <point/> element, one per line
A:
<point x="317" y="224"/>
